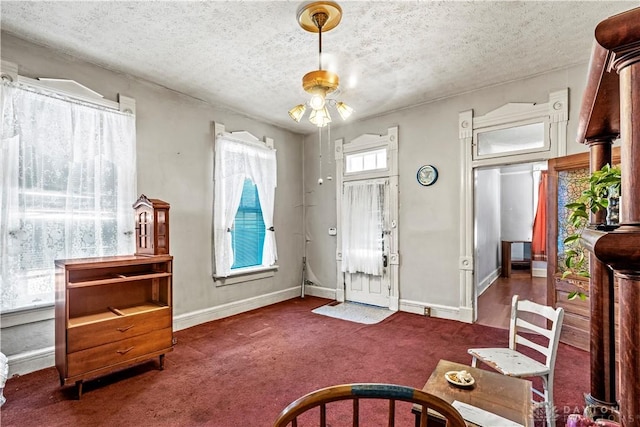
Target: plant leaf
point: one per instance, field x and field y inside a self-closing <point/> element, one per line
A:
<point x="570" y="239"/>
<point x="580" y="213"/>
<point x="576" y="205"/>
<point x="569" y="262"/>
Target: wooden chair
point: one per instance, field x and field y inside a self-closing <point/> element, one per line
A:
<point x="355" y="392"/>
<point x="509" y="361"/>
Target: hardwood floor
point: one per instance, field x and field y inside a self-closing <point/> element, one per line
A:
<point x="494" y="305"/>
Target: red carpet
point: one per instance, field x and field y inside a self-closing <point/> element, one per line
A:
<point x="242" y="370"/>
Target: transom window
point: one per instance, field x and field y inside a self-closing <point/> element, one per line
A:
<point x="366" y="161"/>
<point x="507" y="140"/>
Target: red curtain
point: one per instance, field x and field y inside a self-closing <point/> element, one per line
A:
<point x="539" y="240"/>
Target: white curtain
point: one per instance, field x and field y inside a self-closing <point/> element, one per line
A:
<point x="362" y="227"/>
<point x="234" y="162"/>
<point x="68" y="183"/>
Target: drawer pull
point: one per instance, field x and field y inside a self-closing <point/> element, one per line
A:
<point x="124" y="351"/>
<point x="125" y="329"/>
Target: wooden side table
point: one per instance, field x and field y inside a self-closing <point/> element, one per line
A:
<point x="502" y="395"/>
<point x="506" y="257"/>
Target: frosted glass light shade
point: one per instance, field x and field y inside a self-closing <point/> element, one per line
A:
<point x="320" y="117"/>
<point x="344" y="110"/>
<point x="297" y="112"/>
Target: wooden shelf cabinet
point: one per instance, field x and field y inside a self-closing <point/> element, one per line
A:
<point x="110" y="313"/>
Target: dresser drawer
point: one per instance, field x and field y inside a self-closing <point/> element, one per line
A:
<point x="121" y="351"/>
<point x="107" y="331"/>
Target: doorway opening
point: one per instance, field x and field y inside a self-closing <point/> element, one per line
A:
<point x="507" y="201"/>
<point x="513" y="134"/>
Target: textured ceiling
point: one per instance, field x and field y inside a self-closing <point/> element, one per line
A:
<point x="250" y="56"/>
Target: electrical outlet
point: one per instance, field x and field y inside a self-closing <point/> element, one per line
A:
<point x="427" y="311"/>
<point x="174" y="340"/>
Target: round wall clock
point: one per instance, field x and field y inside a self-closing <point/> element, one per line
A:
<point x="427" y="175"/>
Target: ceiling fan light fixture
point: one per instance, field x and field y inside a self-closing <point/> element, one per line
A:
<point x="344" y="110"/>
<point x="297" y="112"/>
<point x="319" y="17"/>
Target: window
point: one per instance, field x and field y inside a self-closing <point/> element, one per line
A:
<point x="247" y="233"/>
<point x="67" y="184"/>
<point x="244" y="197"/>
<point x="366" y="161"/>
<point x="510" y="140"/>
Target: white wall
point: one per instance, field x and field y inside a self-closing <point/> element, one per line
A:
<point x="516" y="201"/>
<point x="175" y="164"/>
<point x="488" y="234"/>
<point x="429" y="230"/>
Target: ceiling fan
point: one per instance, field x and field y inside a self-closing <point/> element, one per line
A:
<point x="317" y="17"/>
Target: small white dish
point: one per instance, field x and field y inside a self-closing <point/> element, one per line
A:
<point x="455" y="379"/>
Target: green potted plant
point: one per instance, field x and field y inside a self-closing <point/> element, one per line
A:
<point x="604" y="184"/>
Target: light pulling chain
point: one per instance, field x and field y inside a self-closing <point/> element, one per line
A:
<point x="320" y="155"/>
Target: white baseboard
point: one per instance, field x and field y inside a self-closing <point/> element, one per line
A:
<point x="539" y="272"/>
<point x="437" y="310"/>
<point x="197" y="317"/>
<point x="320" y="291"/>
<point x="488" y="280"/>
<point x="466" y="315"/>
<point x="22" y="317"/>
<point x="31" y="361"/>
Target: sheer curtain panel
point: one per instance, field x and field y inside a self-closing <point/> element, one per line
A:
<point x="234" y="162"/>
<point x="68" y="183"/>
<point x="362" y="227"/>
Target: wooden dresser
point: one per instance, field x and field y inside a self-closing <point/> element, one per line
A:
<point x="111" y="312"/>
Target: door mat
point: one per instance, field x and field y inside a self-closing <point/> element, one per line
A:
<point x="354" y="312"/>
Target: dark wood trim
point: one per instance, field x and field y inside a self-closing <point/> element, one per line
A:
<point x="555" y="166"/>
<point x="600" y="100"/>
<point x="556" y="287"/>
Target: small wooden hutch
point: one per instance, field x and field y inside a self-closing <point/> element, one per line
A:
<point x="152" y="226"/>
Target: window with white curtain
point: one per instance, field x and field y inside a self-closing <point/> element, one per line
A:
<point x="68" y="181"/>
<point x="244" y="193"/>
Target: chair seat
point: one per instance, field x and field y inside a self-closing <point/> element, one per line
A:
<point x="509" y="362"/>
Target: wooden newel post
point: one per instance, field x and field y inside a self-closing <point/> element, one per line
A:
<point x="629" y="70"/>
<point x="611" y="106"/>
<point x="628" y="67"/>
<point x="601" y="301"/>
